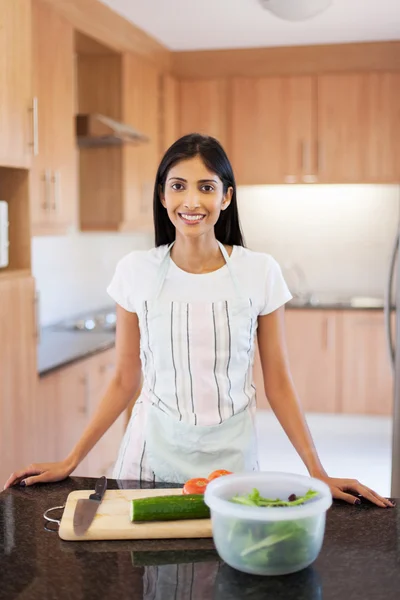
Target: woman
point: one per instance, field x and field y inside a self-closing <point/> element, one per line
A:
<point x="187" y="314"/>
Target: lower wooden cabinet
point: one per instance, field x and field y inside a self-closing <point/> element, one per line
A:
<point x="67" y="400"/>
<point x="338" y="360"/>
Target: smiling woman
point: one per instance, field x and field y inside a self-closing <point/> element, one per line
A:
<point x="188" y="312"/>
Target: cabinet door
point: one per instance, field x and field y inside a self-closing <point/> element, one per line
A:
<point x="203" y="108"/>
<point x="383" y="128"/>
<point x="103" y="456"/>
<point x="16" y="122"/>
<point x="18" y="374"/>
<point x="367" y="382"/>
<point x="141" y="106"/>
<point x="342" y="131"/>
<point x="273" y="129"/>
<point x="312" y="348"/>
<point x="170" y="112"/>
<point x="73" y="410"/>
<point x="53" y="189"/>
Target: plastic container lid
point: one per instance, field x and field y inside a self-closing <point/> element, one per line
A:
<point x="219" y="493"/>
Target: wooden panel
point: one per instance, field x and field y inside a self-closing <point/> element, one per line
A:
<point x="141" y="108"/>
<point x="383" y="127"/>
<point x="287" y="60"/>
<point x="170" y="109"/>
<point x="98" y="21"/>
<point x="73" y="407"/>
<point x="102" y="458"/>
<point x="87" y="45"/>
<point x="115" y="524"/>
<point x="258" y="121"/>
<point x="100" y="188"/>
<point x="45" y="438"/>
<point x="312" y="347"/>
<point x="311" y="337"/>
<point x="14" y="189"/>
<point x="203" y="108"/>
<point x="99" y="85"/>
<point x="367" y="381"/>
<point x="15" y="83"/>
<point x="342" y="128"/>
<point x="18" y="373"/>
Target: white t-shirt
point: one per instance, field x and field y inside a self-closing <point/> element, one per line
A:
<point x="258" y="274"/>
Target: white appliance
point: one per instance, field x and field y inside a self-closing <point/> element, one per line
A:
<point x="296" y="10"/>
<point x="4" y="243"/>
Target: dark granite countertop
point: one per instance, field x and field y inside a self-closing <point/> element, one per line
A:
<point x="360" y="559"/>
<point x="59" y="348"/>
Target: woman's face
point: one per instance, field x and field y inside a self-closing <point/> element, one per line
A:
<point x="194" y="197"/>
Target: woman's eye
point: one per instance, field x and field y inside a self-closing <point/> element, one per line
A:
<point x="207" y="188"/>
<point x="177" y="186"/>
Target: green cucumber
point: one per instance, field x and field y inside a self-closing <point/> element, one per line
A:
<point x="169" y="508"/>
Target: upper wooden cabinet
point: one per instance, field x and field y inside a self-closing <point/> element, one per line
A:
<point x="17" y="118"/>
<point x="203" y="108"/>
<point x="169" y="111"/>
<point x="273" y="129"/>
<point x="18" y="335"/>
<point x="54" y="168"/>
<point x="337" y="128"/>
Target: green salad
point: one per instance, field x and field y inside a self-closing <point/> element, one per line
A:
<point x="274" y="544"/>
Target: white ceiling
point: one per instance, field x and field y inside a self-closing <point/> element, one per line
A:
<point x="211" y="24"/>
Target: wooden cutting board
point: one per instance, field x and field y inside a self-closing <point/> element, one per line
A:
<point x="112" y="520"/>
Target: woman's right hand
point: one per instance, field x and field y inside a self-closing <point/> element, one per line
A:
<point x="41" y="473"/>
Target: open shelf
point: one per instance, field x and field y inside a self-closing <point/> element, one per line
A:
<point x="14" y="189"/>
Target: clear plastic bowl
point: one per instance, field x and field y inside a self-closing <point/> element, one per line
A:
<point x="268" y="540"/>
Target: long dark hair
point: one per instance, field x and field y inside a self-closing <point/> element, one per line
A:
<point x="227" y="229"/>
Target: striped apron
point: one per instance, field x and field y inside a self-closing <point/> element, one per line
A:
<point x="195" y="413"/>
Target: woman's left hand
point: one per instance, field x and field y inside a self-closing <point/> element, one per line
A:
<point x="339" y="488"/>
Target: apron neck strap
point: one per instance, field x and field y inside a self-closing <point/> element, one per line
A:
<point x="164" y="266"/>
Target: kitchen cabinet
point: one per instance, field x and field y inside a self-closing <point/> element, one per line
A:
<point x="18" y="335"/>
<point x="67" y="400"/>
<point x="203" y="108"/>
<point x="16" y="102"/>
<point x="273" y="130"/>
<point x="54" y="167"/>
<point x="312" y="343"/>
<point x="169" y="111"/>
<point x="366" y="378"/>
<point x="383" y="127"/>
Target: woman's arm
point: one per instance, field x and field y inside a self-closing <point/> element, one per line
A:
<point x="123" y="386"/>
<point x="285" y="403"/>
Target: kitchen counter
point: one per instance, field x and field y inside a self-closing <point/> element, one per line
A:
<point x="360" y="559"/>
<point x="59" y="348"/>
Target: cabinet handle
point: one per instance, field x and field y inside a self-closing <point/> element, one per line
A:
<point x="56" y="179"/>
<point x="47" y="185"/>
<point x="328" y="324"/>
<point x="36" y="305"/>
<point x="35" y="127"/>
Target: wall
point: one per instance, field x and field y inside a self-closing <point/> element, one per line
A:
<point x="72" y="272"/>
<point x="340" y="235"/>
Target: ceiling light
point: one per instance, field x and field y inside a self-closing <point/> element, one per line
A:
<point x="296" y="10"/>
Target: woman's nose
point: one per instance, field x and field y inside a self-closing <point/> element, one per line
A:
<point x="192" y="202"/>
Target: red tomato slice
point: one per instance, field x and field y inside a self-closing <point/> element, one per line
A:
<point x="195" y="486"/>
<point x="219" y="473"/>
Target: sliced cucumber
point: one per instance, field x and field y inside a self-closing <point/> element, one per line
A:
<point x="169" y="508"/>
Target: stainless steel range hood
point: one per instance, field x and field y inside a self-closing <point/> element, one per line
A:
<point x="95" y="130"/>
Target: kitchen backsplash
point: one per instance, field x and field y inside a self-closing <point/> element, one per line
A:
<point x="340" y="236"/>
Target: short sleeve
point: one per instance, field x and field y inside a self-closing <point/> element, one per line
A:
<point x="276" y="290"/>
<point x="121" y="285"/>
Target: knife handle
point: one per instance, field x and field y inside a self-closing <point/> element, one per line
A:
<point x="99" y="489"/>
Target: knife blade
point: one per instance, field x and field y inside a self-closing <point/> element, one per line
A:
<point x="86" y="509"/>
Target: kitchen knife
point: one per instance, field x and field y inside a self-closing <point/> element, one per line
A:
<point x="86" y="508"/>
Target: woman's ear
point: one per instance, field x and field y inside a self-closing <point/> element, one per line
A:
<point x="227" y="198"/>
